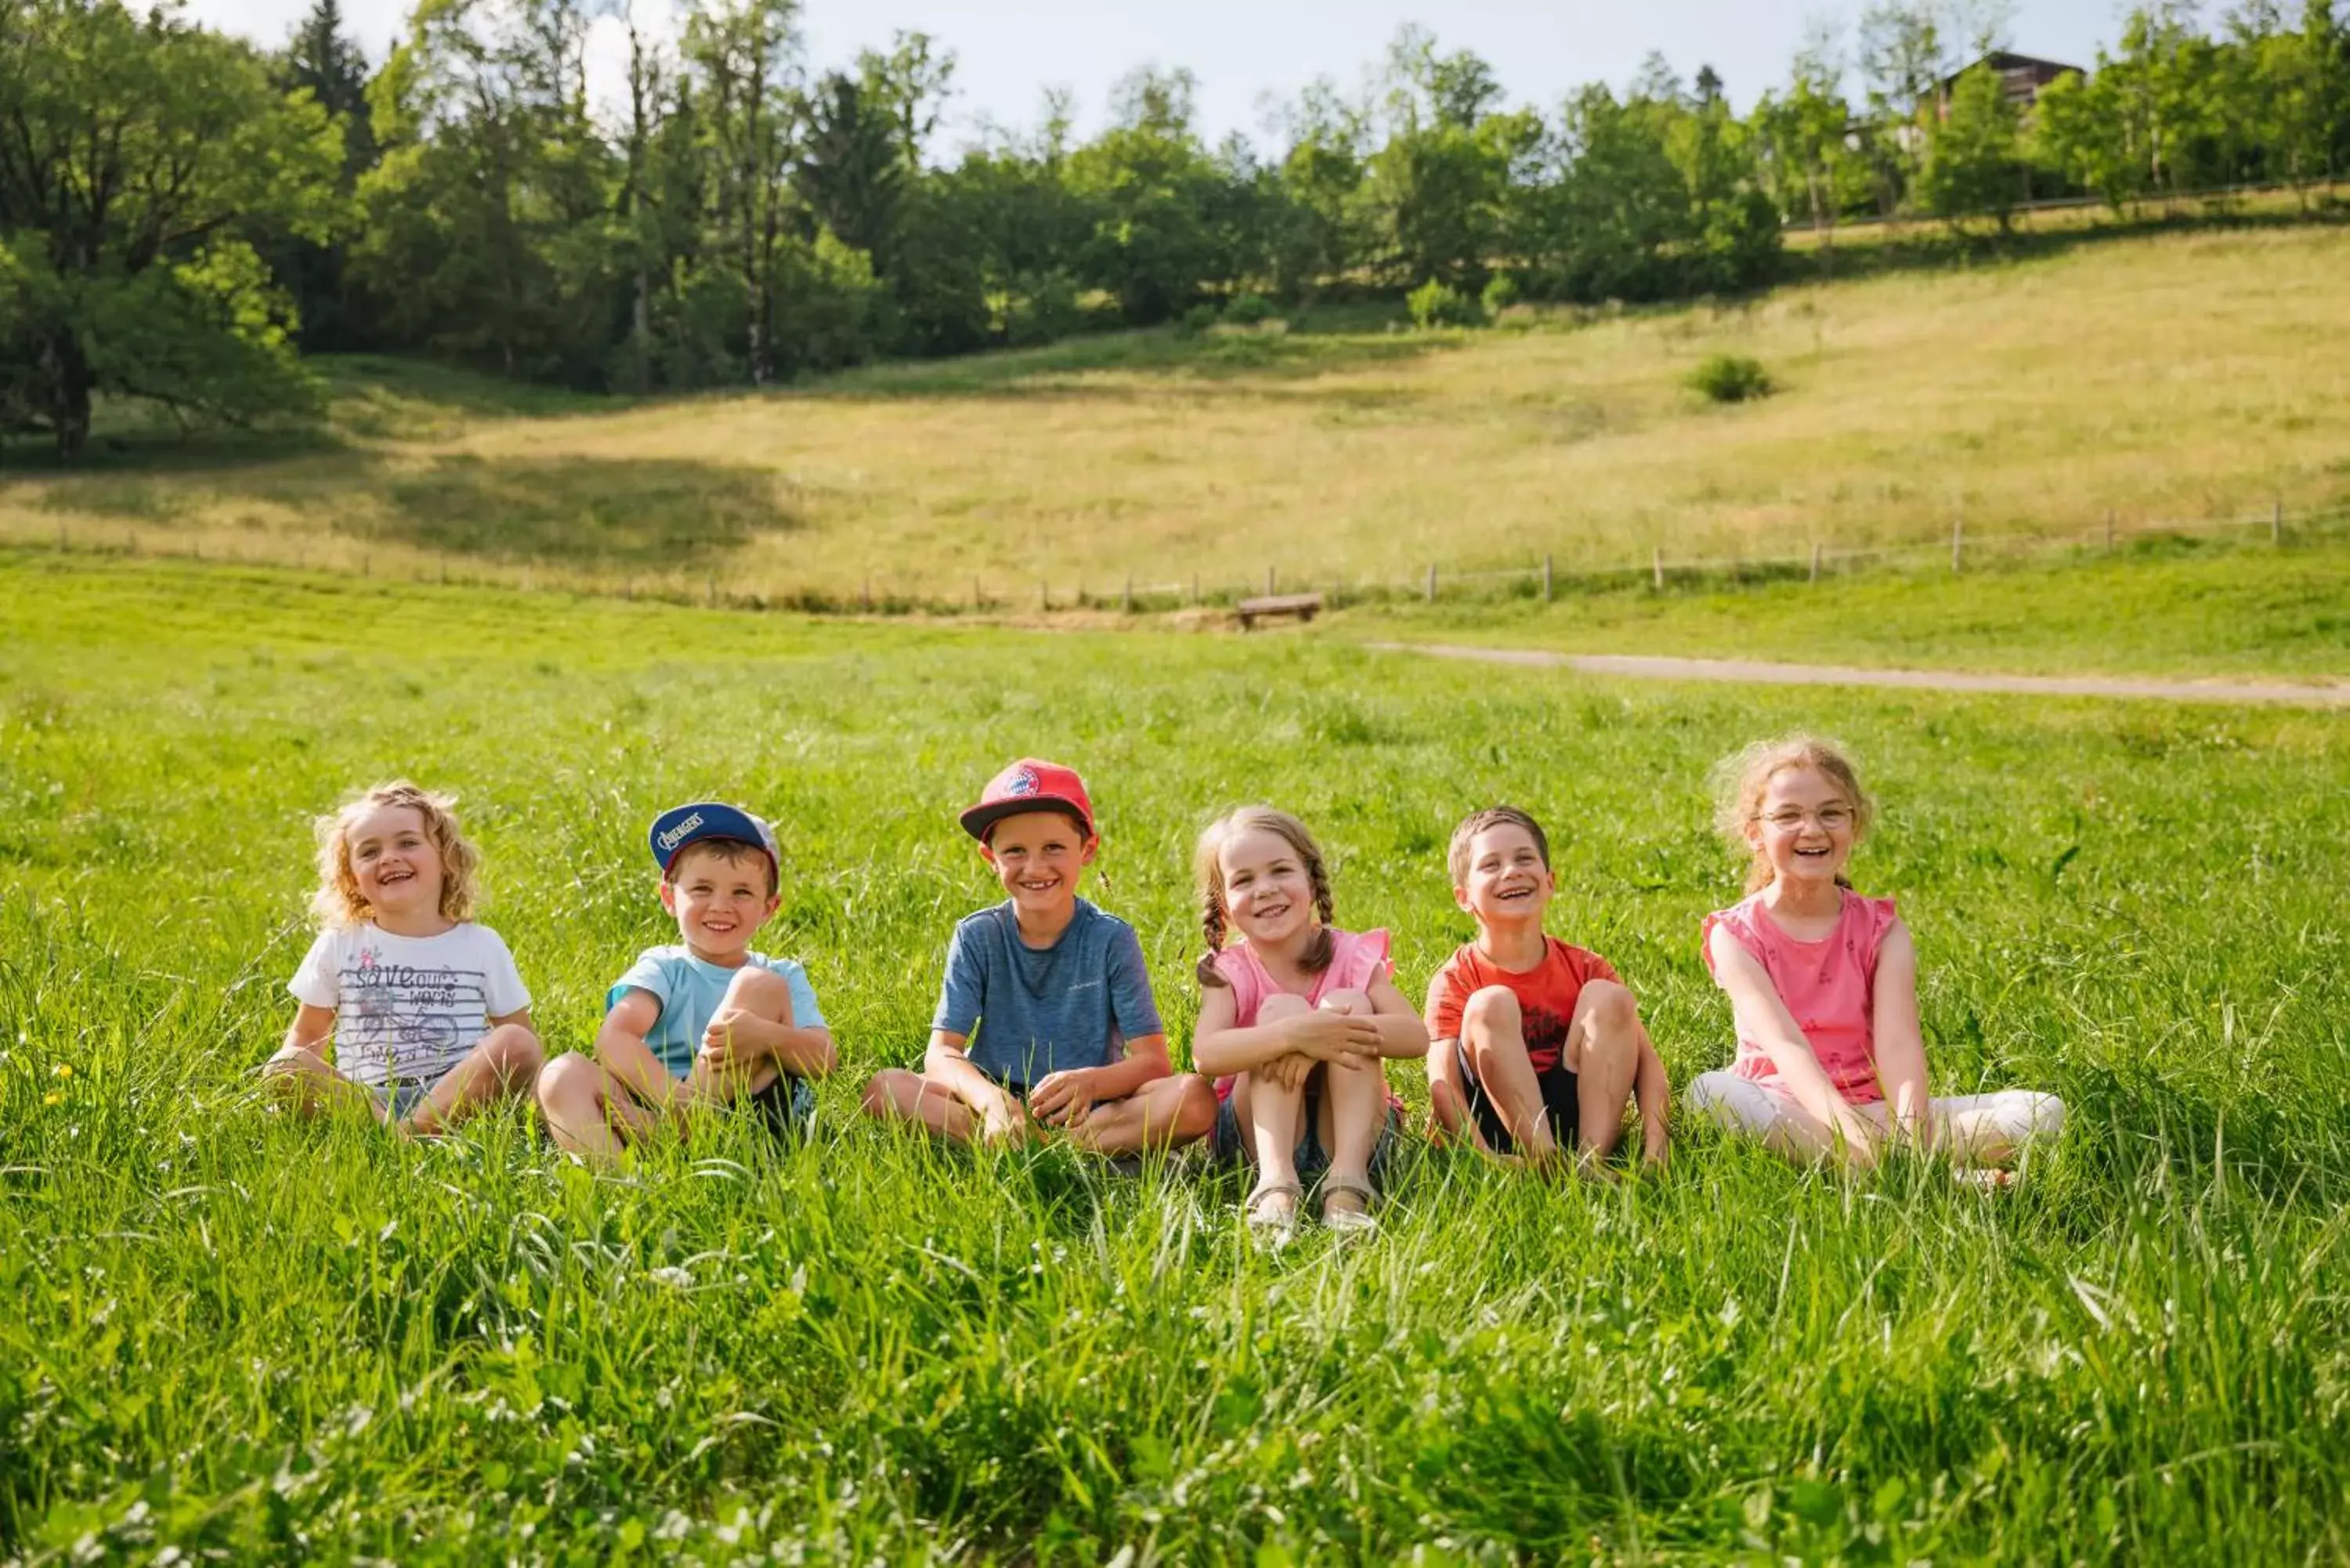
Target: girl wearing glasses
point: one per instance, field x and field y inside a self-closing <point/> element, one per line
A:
<point x="1822" y="984"/>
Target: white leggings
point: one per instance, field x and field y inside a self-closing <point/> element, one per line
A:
<point x="1971" y="1129"/>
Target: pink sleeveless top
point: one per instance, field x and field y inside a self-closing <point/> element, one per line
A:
<point x="1828" y="987"/>
<point x="1357" y="959"/>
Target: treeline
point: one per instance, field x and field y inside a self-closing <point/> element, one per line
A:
<point x="179" y="210"/>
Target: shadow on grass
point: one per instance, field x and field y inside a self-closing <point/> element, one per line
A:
<point x="1162" y="352"/>
<point x="647" y="512"/>
<point x="1921" y="247"/>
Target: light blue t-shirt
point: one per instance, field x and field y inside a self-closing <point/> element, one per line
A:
<point x="690" y="991"/>
<point x="1037" y="1010"/>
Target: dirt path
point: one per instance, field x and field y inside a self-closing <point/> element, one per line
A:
<point x="1641" y="667"/>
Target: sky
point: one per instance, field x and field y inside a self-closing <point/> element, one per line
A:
<point x="1008" y="51"/>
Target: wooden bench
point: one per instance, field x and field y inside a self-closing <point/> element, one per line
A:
<point x="1304" y="607"/>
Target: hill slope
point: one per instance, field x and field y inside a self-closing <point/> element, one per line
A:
<point x="2181" y="377"/>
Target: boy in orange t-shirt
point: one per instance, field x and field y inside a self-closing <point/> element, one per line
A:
<point x="1537" y="1043"/>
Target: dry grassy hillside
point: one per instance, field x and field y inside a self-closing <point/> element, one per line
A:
<point x="2186" y="377"/>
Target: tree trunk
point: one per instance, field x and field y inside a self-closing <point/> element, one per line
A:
<point x="70" y="387"/>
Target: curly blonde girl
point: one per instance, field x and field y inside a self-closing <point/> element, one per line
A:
<point x="338" y="901"/>
<point x="1208" y="869"/>
<point x="1743" y="780"/>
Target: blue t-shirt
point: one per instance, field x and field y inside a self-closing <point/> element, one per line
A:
<point x="689" y="991"/>
<point x="1039" y="1011"/>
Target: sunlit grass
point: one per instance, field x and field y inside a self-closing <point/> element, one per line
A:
<point x="308" y="1343"/>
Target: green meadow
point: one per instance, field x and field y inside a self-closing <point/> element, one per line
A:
<point x="238" y="1337"/>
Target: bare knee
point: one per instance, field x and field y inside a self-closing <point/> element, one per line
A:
<point x="1493" y="1009"/>
<point x="759" y="990"/>
<point x="570" y="1080"/>
<point x="1195" y="1112"/>
<point x="887" y="1092"/>
<point x="515" y="1052"/>
<point x="1608" y="1008"/>
<point x="1608" y="1053"/>
<point x="1356" y="1003"/>
<point x="1284" y="1005"/>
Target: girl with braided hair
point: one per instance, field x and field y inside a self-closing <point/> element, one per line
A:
<point x="1296" y="1021"/>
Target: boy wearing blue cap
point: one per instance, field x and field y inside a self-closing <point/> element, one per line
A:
<point x="705" y="1020"/>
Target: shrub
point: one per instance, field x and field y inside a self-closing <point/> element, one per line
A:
<point x="1248" y="310"/>
<point x="1048" y="311"/>
<point x="1500" y="293"/>
<point x="1434" y="304"/>
<point x="1731" y="378"/>
<point x="1197" y="320"/>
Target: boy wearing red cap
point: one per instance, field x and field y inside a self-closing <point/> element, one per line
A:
<point x="1047" y="1017"/>
<point x="706" y="1021"/>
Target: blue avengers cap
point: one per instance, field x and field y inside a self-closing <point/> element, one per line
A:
<point x="680" y="826"/>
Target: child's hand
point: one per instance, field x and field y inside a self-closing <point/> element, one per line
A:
<point x="725" y="1049"/>
<point x="1288" y="1071"/>
<point x="1002" y="1120"/>
<point x="1341" y="1037"/>
<point x="1062" y="1099"/>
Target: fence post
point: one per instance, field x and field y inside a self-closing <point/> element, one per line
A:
<point x="61" y="537"/>
<point x="1957" y="538"/>
<point x="1043" y="595"/>
<point x="1431" y="582"/>
<point x="1816" y="560"/>
<point x="710" y="589"/>
<point x="1195" y="590"/>
<point x="1268" y="582"/>
<point x="2109" y="530"/>
<point x="2276" y="520"/>
<point x="1547" y="577"/>
<point x="1656" y="568"/>
<point x="1129" y="593"/>
<point x="866" y="598"/>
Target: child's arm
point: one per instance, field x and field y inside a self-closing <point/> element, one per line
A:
<point x="1066" y="1098"/>
<point x="1900" y="1039"/>
<point x="1652" y="1092"/>
<point x="620" y="1047"/>
<point x="1402" y="1031"/>
<point x="738" y="1042"/>
<point x="312" y="1028"/>
<point x="944" y="1063"/>
<point x="1762" y="1017"/>
<point x="1219" y="1048"/>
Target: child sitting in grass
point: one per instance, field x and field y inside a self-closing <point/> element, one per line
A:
<point x="1537" y="1043"/>
<point x="1823" y="985"/>
<point x="1046" y="1019"/>
<point x="421" y="1009"/>
<point x="1298" y="1018"/>
<point x="707" y="1021"/>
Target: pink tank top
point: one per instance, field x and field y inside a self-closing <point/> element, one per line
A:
<point x="1828" y="987"/>
<point x="1357" y="959"/>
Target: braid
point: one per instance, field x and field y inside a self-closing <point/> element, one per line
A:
<point x="1211" y="922"/>
<point x="1324" y="950"/>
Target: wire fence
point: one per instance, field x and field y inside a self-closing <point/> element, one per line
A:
<point x="1539" y="577"/>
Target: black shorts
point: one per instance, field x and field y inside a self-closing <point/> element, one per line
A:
<point x="787" y="1106"/>
<point x="1562" y="1106"/>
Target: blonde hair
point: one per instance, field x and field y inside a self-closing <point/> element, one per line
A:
<point x="1208" y="868"/>
<point x="338" y="901"/>
<point x="1744" y="779"/>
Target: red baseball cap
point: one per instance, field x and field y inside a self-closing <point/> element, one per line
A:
<point x="1029" y="785"/>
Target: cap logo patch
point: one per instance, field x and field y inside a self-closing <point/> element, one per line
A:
<point x="1022" y="782"/>
<point x="676" y="836"/>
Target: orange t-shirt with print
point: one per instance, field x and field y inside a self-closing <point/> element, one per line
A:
<point x="1547" y="994"/>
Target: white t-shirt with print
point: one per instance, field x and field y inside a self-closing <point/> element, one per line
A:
<point x="408" y="1009"/>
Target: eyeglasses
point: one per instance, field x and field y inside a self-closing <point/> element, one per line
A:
<point x="1831" y="818"/>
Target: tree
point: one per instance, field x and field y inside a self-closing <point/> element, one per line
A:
<point x="1903" y="59"/>
<point x="137" y="160"/>
<point x="1802" y="139"/>
<point x="1150" y="184"/>
<point x="1974" y="162"/>
<point x="322" y="60"/>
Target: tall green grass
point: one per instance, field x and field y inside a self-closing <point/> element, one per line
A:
<point x="287" y="1342"/>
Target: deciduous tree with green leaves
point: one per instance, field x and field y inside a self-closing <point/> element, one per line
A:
<point x="139" y="156"/>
